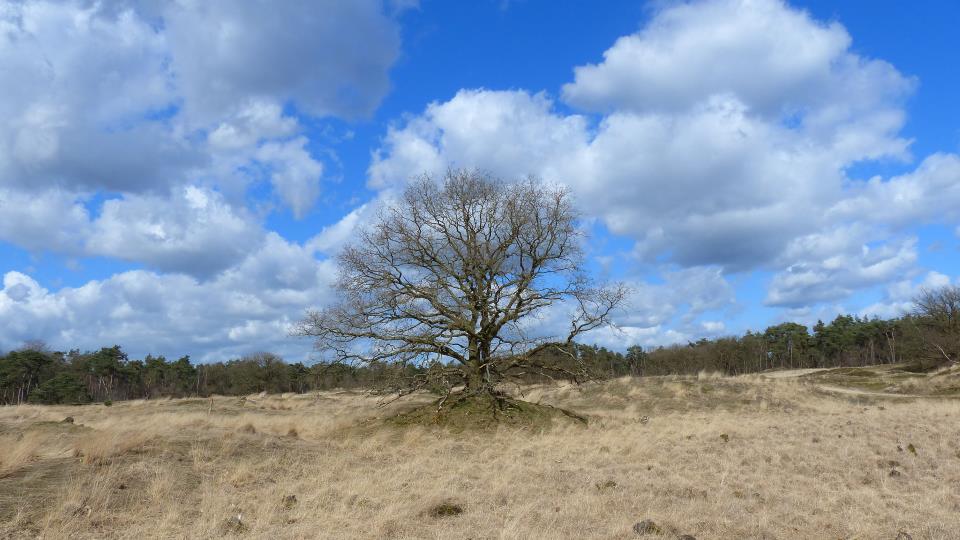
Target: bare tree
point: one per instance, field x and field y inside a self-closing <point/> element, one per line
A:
<point x="456" y="278"/>
<point x="937" y="314"/>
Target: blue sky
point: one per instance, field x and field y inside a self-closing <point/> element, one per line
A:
<point x="175" y="176"/>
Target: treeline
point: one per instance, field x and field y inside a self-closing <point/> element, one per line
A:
<point x="36" y="375"/>
<point x="927" y="338"/>
<point x="925" y="341"/>
<point x="844" y="342"/>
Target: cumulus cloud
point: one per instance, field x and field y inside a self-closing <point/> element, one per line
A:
<point x="665" y="312"/>
<point x="720" y="134"/>
<point x="294" y="173"/>
<point x="929" y="194"/>
<point x="698" y="186"/>
<point x="333" y="237"/>
<point x="135" y="97"/>
<point x="136" y="130"/>
<point x="718" y="138"/>
<point x="254" y="121"/>
<point x="193" y="231"/>
<point x="330" y="58"/>
<point x="510" y="133"/>
<point x="85" y="80"/>
<point x="50" y="219"/>
<point x="248" y="308"/>
<point x="619" y="338"/>
<point x="898" y="296"/>
<point x="692" y="291"/>
<point x="775" y="59"/>
<point x="831" y="266"/>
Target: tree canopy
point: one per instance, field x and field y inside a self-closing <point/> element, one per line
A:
<point x="457" y="274"/>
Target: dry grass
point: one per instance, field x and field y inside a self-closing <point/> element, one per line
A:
<point x="712" y="457"/>
<point x="901" y="379"/>
<point x="945" y="381"/>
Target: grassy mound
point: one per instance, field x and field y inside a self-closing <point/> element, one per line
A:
<point x="482" y="412"/>
<point x="904" y="378"/>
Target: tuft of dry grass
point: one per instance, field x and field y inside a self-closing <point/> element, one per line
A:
<point x="707" y="456"/>
<point x="99" y="446"/>
<point x="24" y="445"/>
<point x="19" y="451"/>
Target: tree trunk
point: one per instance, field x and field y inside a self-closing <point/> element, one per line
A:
<point x="478" y="373"/>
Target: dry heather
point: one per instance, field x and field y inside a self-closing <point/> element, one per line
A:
<point x="709" y="457"/>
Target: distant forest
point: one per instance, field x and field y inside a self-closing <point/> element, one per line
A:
<point x="37" y="375"/>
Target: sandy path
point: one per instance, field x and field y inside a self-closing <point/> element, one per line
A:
<point x="859" y="392"/>
<point x="787" y="373"/>
<point x="790" y="373"/>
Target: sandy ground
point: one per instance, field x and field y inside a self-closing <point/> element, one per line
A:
<point x="790" y="373"/>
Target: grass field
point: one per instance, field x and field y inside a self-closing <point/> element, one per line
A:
<point x="711" y="457"/>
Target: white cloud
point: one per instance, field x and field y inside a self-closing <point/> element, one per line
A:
<point x="332" y="238"/>
<point x="831" y="266"/>
<point x="690" y="291"/>
<point x="51" y="219"/>
<point x="713" y="327"/>
<point x="193" y="231"/>
<point x="85" y="81"/>
<point x="247" y="308"/>
<point x="698" y="186"/>
<point x="131" y="97"/>
<point x="135" y="130"/>
<point x="255" y="121"/>
<point x="652" y="314"/>
<point x="718" y="138"/>
<point x="509" y="133"/>
<point x="726" y="131"/>
<point x="929" y="194"/>
<point x="619" y="338"/>
<point x="294" y="173"/>
<point x="775" y="59"/>
<point x="330" y="58"/>
<point x="898" y="296"/>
